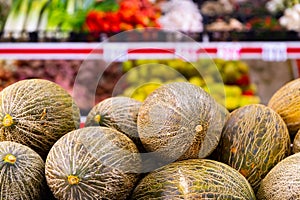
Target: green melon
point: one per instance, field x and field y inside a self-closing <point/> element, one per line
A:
<point x="93" y="163"/>
<point x="283" y="181"/>
<point x="36" y="113"/>
<point x="119" y="113"/>
<point x="286" y="102"/>
<point x="296" y="143"/>
<point x="254" y="140"/>
<point x="180" y="121"/>
<point x="194" y="179"/>
<point x="21" y="172"/>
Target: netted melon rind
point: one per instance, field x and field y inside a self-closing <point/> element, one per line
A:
<point x="254" y="140"/>
<point x="42" y="112"/>
<point x="106" y="162"/>
<point x="283" y="181"/>
<point x="194" y="179"/>
<point x="286" y="102"/>
<point x="119" y="113"/>
<point x="296" y="143"/>
<point x="180" y="121"/>
<point x="25" y="179"/>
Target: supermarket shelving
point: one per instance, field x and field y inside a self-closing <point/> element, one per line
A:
<point x="269" y="51"/>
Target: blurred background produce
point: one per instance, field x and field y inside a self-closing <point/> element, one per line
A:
<point x="91" y="20"/>
<point x="8" y="71"/>
<point x="181" y="15"/>
<point x="89" y="88"/>
<point x="61" y="20"/>
<point x="94" y="81"/>
<point x="144" y="76"/>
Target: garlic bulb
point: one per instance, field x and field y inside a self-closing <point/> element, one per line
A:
<point x="274" y="6"/>
<point x="291" y="18"/>
<point x="181" y="15"/>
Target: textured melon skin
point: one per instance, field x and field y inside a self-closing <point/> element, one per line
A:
<point x="286" y="102"/>
<point x="296" y="143"/>
<point x="42" y="112"/>
<point x="180" y="121"/>
<point x="254" y="140"/>
<point x="24" y="179"/>
<point x="104" y="160"/>
<point x="194" y="179"/>
<point x="283" y="181"/>
<point x="119" y="113"/>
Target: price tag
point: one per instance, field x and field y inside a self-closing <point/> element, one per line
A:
<point x="229" y="51"/>
<point x="274" y="52"/>
<point x="187" y="51"/>
<point x="115" y="52"/>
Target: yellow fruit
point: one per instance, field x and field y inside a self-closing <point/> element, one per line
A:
<point x="127" y="65"/>
<point x="129" y="91"/>
<point x="246" y="100"/>
<point x="132" y="76"/>
<point x="232" y="103"/>
<point x="233" y="91"/>
<point x="196" y="80"/>
<point x="243" y="67"/>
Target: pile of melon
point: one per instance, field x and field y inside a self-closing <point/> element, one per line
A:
<point x="179" y="143"/>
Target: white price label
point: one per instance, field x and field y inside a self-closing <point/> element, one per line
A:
<point x="229" y="51"/>
<point x="274" y="52"/>
<point x="187" y="52"/>
<point x="115" y="53"/>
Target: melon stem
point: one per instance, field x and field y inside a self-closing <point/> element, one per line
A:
<point x="7" y="120"/>
<point x="199" y="128"/>
<point x="98" y="118"/>
<point x="9" y="158"/>
<point x="73" y="180"/>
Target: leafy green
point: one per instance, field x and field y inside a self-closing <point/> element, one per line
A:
<point x="107" y="5"/>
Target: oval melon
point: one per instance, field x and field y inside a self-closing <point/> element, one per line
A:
<point x="36" y="113"/>
<point x="254" y="140"/>
<point x="119" y="113"/>
<point x="21" y="172"/>
<point x="194" y="179"/>
<point x="286" y="102"/>
<point x="180" y="121"/>
<point x="93" y="163"/>
<point x="283" y="181"/>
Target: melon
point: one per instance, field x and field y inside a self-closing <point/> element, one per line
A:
<point x="194" y="179"/>
<point x="36" y="113"/>
<point x="283" y="181"/>
<point x="254" y="140"/>
<point x="119" y="113"/>
<point x="296" y="143"/>
<point x="93" y="163"/>
<point x="180" y="121"/>
<point x="21" y="172"/>
<point x="286" y="102"/>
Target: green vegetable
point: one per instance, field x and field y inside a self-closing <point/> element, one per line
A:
<point x="107" y="5"/>
<point x="56" y="15"/>
<point x="75" y="15"/>
<point x="34" y="15"/>
<point x="44" y="20"/>
<point x="16" y="18"/>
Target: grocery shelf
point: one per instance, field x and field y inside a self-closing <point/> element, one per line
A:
<point x="118" y="51"/>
